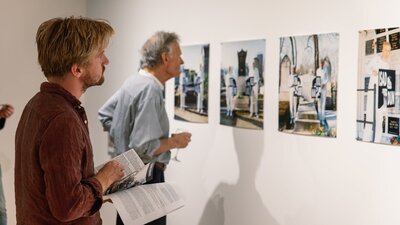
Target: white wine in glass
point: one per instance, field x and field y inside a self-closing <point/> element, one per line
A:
<point x="175" y="158"/>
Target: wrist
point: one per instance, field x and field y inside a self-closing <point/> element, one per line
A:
<point x="172" y="142"/>
<point x="104" y="182"/>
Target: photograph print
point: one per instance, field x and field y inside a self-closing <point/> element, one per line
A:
<point x="191" y="87"/>
<point x="378" y="110"/>
<point x="308" y="67"/>
<point x="242" y="84"/>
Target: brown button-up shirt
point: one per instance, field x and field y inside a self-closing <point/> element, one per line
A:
<point x="54" y="168"/>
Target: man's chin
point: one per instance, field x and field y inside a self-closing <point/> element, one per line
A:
<point x="101" y="81"/>
<point x="98" y="83"/>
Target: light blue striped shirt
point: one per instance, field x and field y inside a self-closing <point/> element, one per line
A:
<point x="135" y="117"/>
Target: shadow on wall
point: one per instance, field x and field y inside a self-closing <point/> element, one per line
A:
<point x="240" y="203"/>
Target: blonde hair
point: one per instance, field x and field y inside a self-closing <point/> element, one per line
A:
<point x="386" y="43"/>
<point x="62" y="42"/>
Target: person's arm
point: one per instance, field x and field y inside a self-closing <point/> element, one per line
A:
<point x="2" y="123"/>
<point x="147" y="130"/>
<point x="298" y="80"/>
<point x="110" y="173"/>
<point x="257" y="76"/>
<point x="180" y="140"/>
<point x="148" y="136"/>
<point x="106" y="112"/>
<point x="372" y="67"/>
<point x="70" y="196"/>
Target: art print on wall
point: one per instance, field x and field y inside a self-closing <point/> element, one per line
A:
<point x="378" y="110"/>
<point x="191" y="87"/>
<point x="308" y="70"/>
<point x="242" y="84"/>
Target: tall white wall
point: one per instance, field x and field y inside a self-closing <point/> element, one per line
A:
<point x="20" y="73"/>
<point x="229" y="176"/>
<point x="235" y="176"/>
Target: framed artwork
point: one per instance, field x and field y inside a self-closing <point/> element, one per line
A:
<point x="191" y="87"/>
<point x="308" y="67"/>
<point x="378" y="109"/>
<point x="242" y="84"/>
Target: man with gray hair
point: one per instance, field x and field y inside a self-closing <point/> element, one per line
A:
<point x="135" y="116"/>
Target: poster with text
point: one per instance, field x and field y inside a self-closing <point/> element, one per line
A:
<point x="191" y="87"/>
<point x="308" y="72"/>
<point x="378" y="110"/>
<point x="242" y="84"/>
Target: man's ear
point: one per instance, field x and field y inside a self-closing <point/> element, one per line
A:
<point x="76" y="70"/>
<point x="164" y="57"/>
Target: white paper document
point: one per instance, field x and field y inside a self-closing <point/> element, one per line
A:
<point x="145" y="203"/>
<point x="135" y="172"/>
<point x="137" y="203"/>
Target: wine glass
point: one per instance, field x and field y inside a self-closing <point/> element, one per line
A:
<point x="175" y="158"/>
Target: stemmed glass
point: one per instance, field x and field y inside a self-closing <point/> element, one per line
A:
<point x="175" y="158"/>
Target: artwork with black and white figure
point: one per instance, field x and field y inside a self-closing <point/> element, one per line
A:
<point x="308" y="71"/>
<point x="242" y="84"/>
<point x="378" y="102"/>
<point x="191" y="87"/>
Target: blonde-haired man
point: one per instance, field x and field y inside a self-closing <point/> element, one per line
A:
<point x="55" y="181"/>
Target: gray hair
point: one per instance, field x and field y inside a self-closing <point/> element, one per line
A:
<point x="156" y="45"/>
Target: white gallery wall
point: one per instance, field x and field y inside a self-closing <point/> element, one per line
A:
<point x="236" y="176"/>
<point x="228" y="175"/>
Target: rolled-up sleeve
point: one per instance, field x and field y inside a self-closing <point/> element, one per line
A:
<point x="147" y="130"/>
<point x="106" y="112"/>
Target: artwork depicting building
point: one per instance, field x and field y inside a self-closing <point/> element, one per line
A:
<point x="191" y="87"/>
<point x="242" y="84"/>
<point x="308" y="84"/>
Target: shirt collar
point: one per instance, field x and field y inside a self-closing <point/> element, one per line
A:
<point x="147" y="74"/>
<point x="56" y="88"/>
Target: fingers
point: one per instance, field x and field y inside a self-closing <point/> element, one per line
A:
<point x="110" y="173"/>
<point x="6" y="111"/>
<point x="114" y="170"/>
<point x="184" y="139"/>
<point x="181" y="140"/>
<point x="187" y="136"/>
<point x="118" y="168"/>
